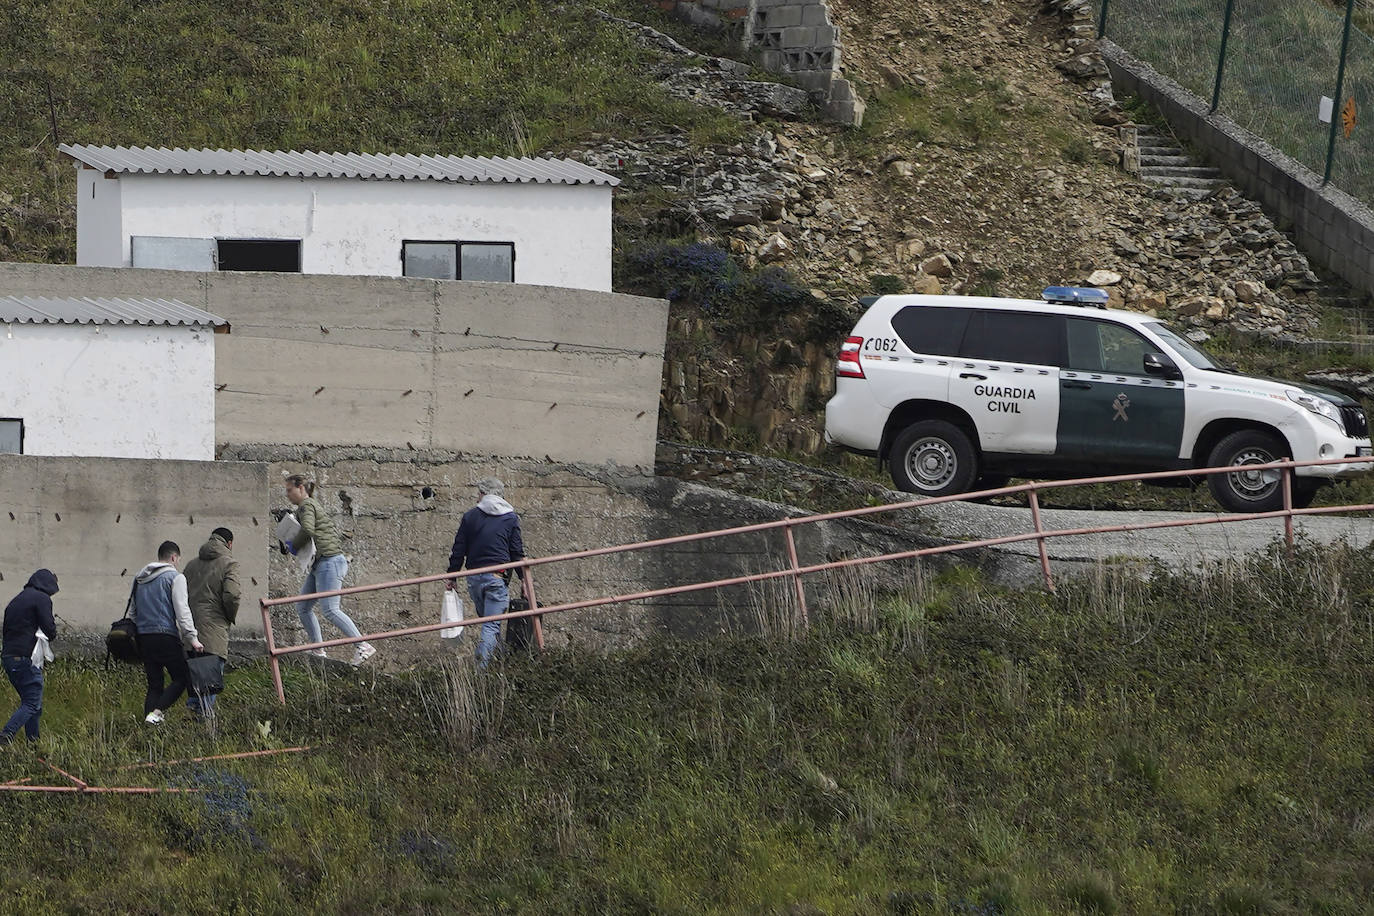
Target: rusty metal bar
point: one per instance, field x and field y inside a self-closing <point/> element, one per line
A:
<point x="534" y="605"/>
<point x="51" y="766"/>
<point x="163" y="763"/>
<point x="272" y="652"/>
<point x="796" y="578"/>
<point x="813" y="519"/>
<point x="795" y="570"/>
<point x="1034" y="498"/>
<point x="1287" y="481"/>
<point x="100" y="790"/>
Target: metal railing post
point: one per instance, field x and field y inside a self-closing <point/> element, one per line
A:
<point x="1221" y="54"/>
<point x="272" y="651"/>
<point x="796" y="575"/>
<point x="1288" y="506"/>
<point x="1340" y="90"/>
<point x="1102" y="19"/>
<point x="534" y="605"/>
<point x="1044" y="553"/>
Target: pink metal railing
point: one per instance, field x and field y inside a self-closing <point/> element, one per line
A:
<point x="83" y="787"/>
<point x="794" y="570"/>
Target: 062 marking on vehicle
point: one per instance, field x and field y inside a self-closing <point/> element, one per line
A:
<point x="881" y="344"/>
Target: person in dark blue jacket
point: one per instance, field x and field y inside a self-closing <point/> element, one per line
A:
<point x="29" y="613"/>
<point x="489" y="535"/>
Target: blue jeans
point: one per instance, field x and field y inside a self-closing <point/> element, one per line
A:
<point x="489" y="596"/>
<point x="28" y="682"/>
<point x="201" y="706"/>
<point x="325" y="576"/>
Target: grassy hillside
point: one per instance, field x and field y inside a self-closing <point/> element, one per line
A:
<point x="431" y="76"/>
<point x="1199" y="744"/>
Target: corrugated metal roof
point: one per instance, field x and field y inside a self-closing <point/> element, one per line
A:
<point x="404" y="167"/>
<point x="37" y="310"/>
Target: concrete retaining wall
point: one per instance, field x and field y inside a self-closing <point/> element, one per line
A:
<point x="96" y="522"/>
<point x="1332" y="228"/>
<point x="486" y="368"/>
<point x="393" y="531"/>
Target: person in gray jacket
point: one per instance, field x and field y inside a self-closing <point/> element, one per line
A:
<point x="212" y="590"/>
<point x="165" y="630"/>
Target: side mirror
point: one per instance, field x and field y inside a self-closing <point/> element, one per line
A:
<point x="1155" y="364"/>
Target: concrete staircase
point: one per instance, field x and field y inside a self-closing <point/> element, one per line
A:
<point x="1163" y="162"/>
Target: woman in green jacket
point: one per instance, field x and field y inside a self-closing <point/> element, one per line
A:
<point x="327" y="572"/>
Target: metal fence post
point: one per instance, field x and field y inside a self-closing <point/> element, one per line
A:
<point x="1288" y="507"/>
<point x="528" y="579"/>
<point x="272" y="651"/>
<point x="1221" y="55"/>
<point x="796" y="576"/>
<point x="1102" y="19"/>
<point x="1044" y="554"/>
<point x="1340" y="89"/>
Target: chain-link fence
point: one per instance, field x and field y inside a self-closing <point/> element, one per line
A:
<point x="1268" y="64"/>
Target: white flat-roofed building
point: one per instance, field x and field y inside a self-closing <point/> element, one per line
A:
<point x="109" y="378"/>
<point x="529" y="221"/>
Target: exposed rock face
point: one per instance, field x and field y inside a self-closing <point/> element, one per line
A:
<point x="939" y="216"/>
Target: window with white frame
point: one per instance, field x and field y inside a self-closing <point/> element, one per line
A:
<point x="490" y="262"/>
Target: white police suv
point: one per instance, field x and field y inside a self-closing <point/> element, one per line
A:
<point x="960" y="393"/>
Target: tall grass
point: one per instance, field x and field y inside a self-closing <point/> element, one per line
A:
<point x="1187" y="743"/>
<point x="415" y="76"/>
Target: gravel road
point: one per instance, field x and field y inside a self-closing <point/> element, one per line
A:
<point x="1178" y="547"/>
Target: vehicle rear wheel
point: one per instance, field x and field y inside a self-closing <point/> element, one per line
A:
<point x="933" y="458"/>
<point x="1248" y="491"/>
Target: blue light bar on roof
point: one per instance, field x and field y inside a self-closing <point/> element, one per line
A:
<point x="1075" y="295"/>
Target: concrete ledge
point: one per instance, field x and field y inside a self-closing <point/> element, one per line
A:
<point x="1334" y="229"/>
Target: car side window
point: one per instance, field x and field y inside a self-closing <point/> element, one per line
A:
<point x="1015" y="337"/>
<point x="931" y="330"/>
<point x="1100" y="346"/>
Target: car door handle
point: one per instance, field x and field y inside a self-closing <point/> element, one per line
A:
<point x="1083" y="385"/>
<point x="982" y="378"/>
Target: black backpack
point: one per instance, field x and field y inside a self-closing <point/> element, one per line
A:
<point x="121" y="643"/>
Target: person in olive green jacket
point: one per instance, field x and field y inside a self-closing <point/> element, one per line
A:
<point x="328" y="570"/>
<point x="212" y="590"/>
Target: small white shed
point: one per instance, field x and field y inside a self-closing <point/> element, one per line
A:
<point x="533" y="221"/>
<point x="108" y="378"/>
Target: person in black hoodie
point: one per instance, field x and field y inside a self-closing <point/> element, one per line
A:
<point x="28" y="613"/>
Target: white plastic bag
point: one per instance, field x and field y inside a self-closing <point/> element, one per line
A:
<point x="452" y="612"/>
<point x="42" y="651"/>
<point x="287" y="529"/>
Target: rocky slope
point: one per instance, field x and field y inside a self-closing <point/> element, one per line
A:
<point x="989" y="163"/>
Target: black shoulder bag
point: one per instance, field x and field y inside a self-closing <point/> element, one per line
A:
<point x="121" y="642"/>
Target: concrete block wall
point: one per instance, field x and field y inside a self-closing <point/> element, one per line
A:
<point x="488" y="368"/>
<point x="791" y="37"/>
<point x="1332" y="228"/>
<point x="96" y="522"/>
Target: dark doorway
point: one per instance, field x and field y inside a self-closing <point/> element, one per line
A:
<point x="279" y="255"/>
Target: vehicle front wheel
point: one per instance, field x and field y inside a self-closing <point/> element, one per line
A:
<point x="933" y="458"/>
<point x="1248" y="491"/>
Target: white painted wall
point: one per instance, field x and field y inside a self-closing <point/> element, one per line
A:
<point x="98" y="220"/>
<point x="110" y="391"/>
<point x="562" y="233"/>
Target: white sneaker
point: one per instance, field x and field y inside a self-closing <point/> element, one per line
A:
<point x="365" y="651"/>
<point x="318" y="653"/>
<point x="154" y="718"/>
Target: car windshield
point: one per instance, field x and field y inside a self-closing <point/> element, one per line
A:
<point x="1196" y="358"/>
